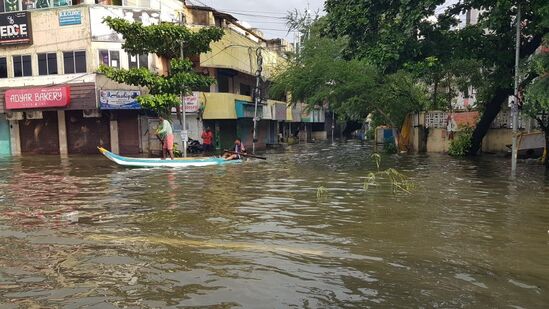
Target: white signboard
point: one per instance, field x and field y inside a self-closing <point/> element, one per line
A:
<point x="119" y="99"/>
<point x="102" y="32"/>
<point x="192" y="103"/>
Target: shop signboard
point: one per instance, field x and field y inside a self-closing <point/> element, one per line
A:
<point x="247" y="109"/>
<point x="192" y="104"/>
<point x="15" y="28"/>
<point x="119" y="99"/>
<point x="268" y="112"/>
<point x="42" y="97"/>
<point x="70" y="17"/>
<point x="280" y="112"/>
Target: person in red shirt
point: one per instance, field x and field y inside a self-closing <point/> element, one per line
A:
<point x="207" y="137"/>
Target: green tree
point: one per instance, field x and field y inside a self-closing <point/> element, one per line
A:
<point x="353" y="89"/>
<point x="536" y="104"/>
<point x="164" y="40"/>
<point x="401" y="34"/>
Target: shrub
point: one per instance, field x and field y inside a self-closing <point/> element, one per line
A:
<point x="460" y="145"/>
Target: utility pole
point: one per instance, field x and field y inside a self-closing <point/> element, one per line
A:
<point x="257" y="93"/>
<point x="514" y="107"/>
<point x="184" y="133"/>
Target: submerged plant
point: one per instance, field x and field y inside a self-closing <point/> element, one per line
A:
<point x="399" y="181"/>
<point x="370" y="181"/>
<point x="321" y="192"/>
<point x="377" y="159"/>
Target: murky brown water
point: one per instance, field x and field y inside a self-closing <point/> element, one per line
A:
<point x="82" y="232"/>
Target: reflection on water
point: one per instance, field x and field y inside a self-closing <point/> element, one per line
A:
<point x="81" y="232"/>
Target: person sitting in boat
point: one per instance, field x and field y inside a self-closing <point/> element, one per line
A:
<point x="238" y="150"/>
<point x="165" y="132"/>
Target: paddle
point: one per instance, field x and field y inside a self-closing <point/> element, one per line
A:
<point x="246" y="155"/>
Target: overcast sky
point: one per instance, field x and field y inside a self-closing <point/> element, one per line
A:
<point x="267" y="15"/>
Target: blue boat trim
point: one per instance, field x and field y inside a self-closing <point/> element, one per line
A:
<point x="158" y="162"/>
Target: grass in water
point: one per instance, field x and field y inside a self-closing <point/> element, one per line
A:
<point x="321" y="192"/>
<point x="399" y="182"/>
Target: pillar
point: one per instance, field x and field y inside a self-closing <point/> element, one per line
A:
<point x="115" y="148"/>
<point x="62" y="129"/>
<point x="15" y="138"/>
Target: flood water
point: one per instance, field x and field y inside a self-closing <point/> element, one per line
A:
<point x="82" y="232"/>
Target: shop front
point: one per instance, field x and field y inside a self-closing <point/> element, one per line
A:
<point x="53" y="119"/>
<point x="123" y="124"/>
<point x="245" y="112"/>
<point x="5" y="145"/>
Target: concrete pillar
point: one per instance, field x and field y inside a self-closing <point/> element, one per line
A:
<point x="115" y="148"/>
<point x="62" y="128"/>
<point x="15" y="138"/>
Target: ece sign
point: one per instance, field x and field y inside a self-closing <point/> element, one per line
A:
<point x="15" y="28"/>
<point x="46" y="97"/>
<point x="119" y="99"/>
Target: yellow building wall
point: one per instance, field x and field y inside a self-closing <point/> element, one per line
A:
<point x="220" y="105"/>
<point x="237" y="52"/>
<point x="496" y="139"/>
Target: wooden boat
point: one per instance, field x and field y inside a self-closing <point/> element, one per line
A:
<point x="155" y="162"/>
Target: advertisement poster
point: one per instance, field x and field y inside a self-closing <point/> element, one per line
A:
<point x="41" y="4"/>
<point x="119" y="99"/>
<point x="103" y="33"/>
<point x="15" y="28"/>
<point x="11" y="5"/>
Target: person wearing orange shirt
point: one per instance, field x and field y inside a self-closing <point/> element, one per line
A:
<point x="207" y="137"/>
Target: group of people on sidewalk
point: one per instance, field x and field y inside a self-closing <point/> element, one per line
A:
<point x="165" y="134"/>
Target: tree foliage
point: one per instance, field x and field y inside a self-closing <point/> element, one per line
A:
<point x="422" y="36"/>
<point x="353" y="88"/>
<point x="164" y="40"/>
<point x="536" y="103"/>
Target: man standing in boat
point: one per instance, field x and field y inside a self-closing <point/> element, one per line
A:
<point x="238" y="149"/>
<point x="165" y="132"/>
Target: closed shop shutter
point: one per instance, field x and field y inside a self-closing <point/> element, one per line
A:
<point x="85" y="134"/>
<point x="128" y="132"/>
<point x="40" y="135"/>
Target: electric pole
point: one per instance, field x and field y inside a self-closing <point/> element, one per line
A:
<point x="514" y="106"/>
<point x="184" y="133"/>
<point x="257" y="94"/>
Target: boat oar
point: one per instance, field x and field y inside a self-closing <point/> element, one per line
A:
<point x="245" y="155"/>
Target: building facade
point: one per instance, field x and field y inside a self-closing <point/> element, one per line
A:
<point x="53" y="102"/>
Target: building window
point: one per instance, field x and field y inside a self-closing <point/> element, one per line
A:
<point x="47" y="64"/>
<point x="3" y="67"/>
<point x="109" y="58"/>
<point x="74" y="62"/>
<point x="245" y="89"/>
<point x="222" y="83"/>
<point x="22" y="66"/>
<point x="140" y="61"/>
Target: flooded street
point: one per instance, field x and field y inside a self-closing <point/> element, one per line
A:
<point x="83" y="232"/>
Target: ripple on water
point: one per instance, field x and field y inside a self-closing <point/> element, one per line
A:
<point x="257" y="235"/>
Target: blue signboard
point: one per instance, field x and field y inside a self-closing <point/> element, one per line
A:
<point x="247" y="109"/>
<point x="119" y="99"/>
<point x="70" y="17"/>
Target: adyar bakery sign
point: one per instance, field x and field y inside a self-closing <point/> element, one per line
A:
<point x="15" y="28"/>
<point x="46" y="97"/>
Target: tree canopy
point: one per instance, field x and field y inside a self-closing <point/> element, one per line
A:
<point x="164" y="40"/>
<point x="320" y="75"/>
<point x="423" y="36"/>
